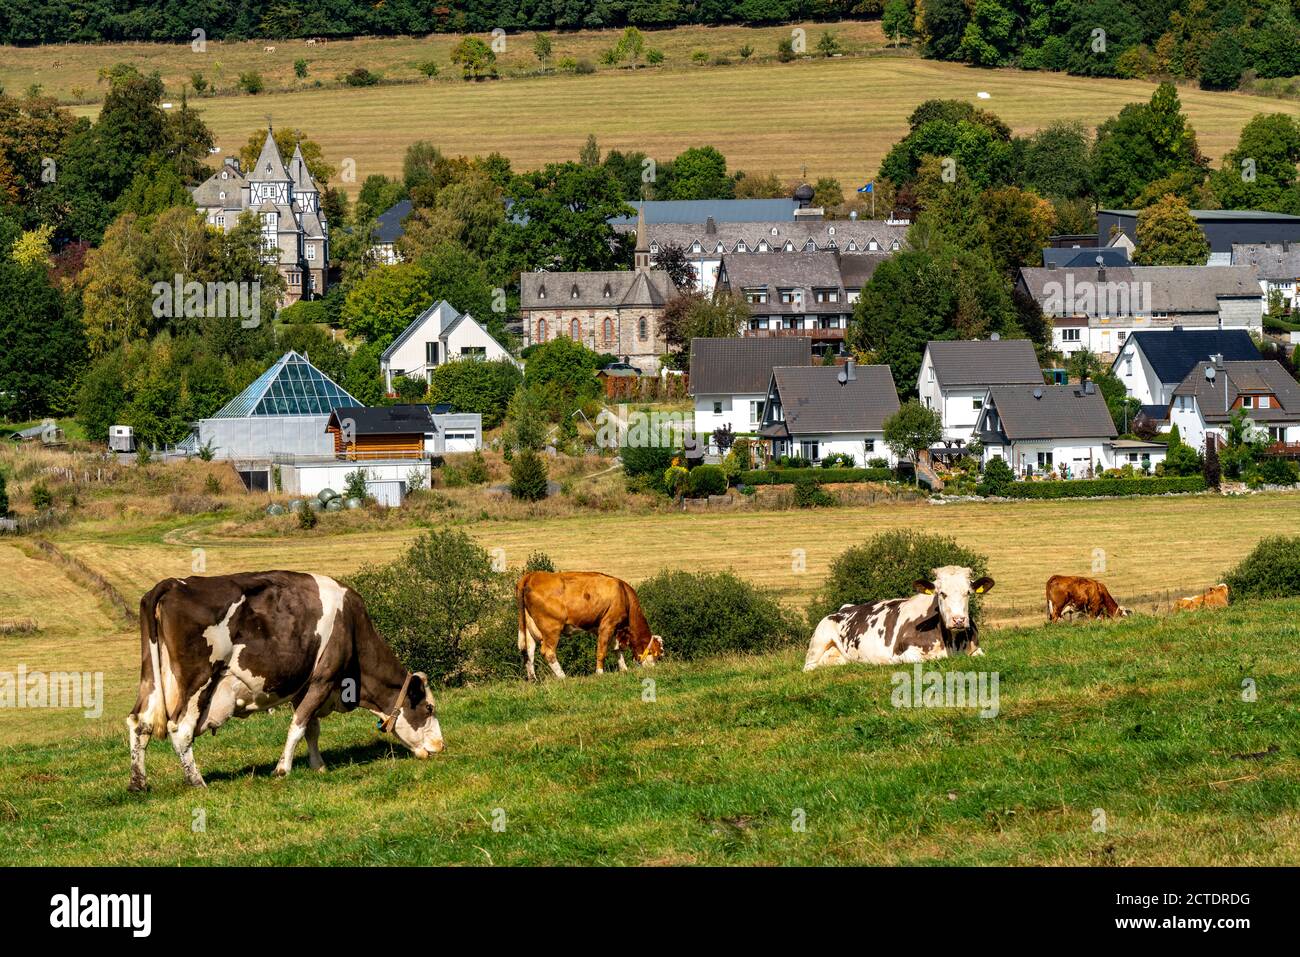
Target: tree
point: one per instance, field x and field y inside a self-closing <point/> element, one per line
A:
<point x="1017" y="224"/>
<point x="386" y="301"/>
<point x="41" y="342"/>
<point x="1260" y="173"/>
<point x="1056" y="161"/>
<point x="827" y="193"/>
<point x="698" y="173"/>
<point x="542" y="48"/>
<point x="469" y="385"/>
<point x="694" y="315"/>
<point x="912" y="429"/>
<point x="528" y="479"/>
<point x="941" y="23"/>
<point x="1168" y="235"/>
<point x="562" y="372"/>
<point x="673" y="260"/>
<point x="897" y="20"/>
<point x="1146" y="142"/>
<point x="475" y="58"/>
<point x="1222" y="62"/>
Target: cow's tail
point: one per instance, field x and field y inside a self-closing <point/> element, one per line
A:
<point x="151" y="706"/>
<point x="523" y="615"/>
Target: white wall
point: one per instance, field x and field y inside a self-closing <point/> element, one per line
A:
<point x="313" y="479"/>
<point x="735" y="413"/>
<point x="409" y="358"/>
<point x="852" y="443"/>
<point x="1140" y="380"/>
<point x="1078" y="454"/>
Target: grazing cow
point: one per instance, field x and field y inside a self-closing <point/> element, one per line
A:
<point x="231" y="645"/>
<point x="552" y="604"/>
<point x="1216" y="597"/>
<point x="933" y="623"/>
<point x="1085" y="596"/>
<point x="268" y="49"/>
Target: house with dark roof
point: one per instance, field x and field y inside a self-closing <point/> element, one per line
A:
<point x="1065" y="429"/>
<point x="1222" y="228"/>
<point x="388" y="229"/>
<point x="817" y="411"/>
<point x="1279" y="270"/>
<point x="438" y="335"/>
<point x="1213" y="391"/>
<point x="1081" y="257"/>
<point x="616" y="311"/>
<point x="956" y="376"/>
<point x="1152" y="363"/>
<point x="1098" y="308"/>
<point x="730" y="377"/>
<point x="791" y="295"/>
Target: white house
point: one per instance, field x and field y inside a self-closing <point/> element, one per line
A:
<point x="1204" y="404"/>
<point x="1279" y="270"/>
<point x="1151" y="364"/>
<point x="438" y="335"/>
<point x="956" y="376"/>
<point x="1043" y="428"/>
<point x="1098" y="308"/>
<point x="817" y="411"/>
<point x="729" y="379"/>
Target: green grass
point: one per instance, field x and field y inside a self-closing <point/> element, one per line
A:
<point x="1142" y="718"/>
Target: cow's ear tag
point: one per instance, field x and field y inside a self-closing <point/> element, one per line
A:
<point x="929" y="591"/>
<point x="980" y="590"/>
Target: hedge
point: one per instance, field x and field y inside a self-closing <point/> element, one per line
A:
<point x="1087" y="488"/>
<point x="790" y="476"/>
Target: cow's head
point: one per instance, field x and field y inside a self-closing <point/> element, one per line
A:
<point x="952" y="587"/>
<point x="416" y="723"/>
<point x="652" y="652"/>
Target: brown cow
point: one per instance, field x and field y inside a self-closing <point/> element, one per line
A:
<point x="1216" y="597"/>
<point x="552" y="604"/>
<point x="1086" y="595"/>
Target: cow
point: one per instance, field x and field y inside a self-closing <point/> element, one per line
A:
<point x="1216" y="597"/>
<point x="268" y="49"/>
<point x="1085" y="596"/>
<point x="213" y="648"/>
<point x="933" y="623"/>
<point x="553" y="604"/>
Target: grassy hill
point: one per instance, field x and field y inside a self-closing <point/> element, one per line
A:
<point x="841" y="115"/>
<point x="1142" y="721"/>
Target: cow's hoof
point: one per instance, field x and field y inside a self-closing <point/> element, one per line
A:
<point x="281" y="771"/>
<point x="137" y="785"/>
<point x="200" y="783"/>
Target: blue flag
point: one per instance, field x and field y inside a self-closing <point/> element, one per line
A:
<point x="869" y="188"/>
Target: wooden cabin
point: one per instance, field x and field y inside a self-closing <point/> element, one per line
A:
<point x="387" y="432"/>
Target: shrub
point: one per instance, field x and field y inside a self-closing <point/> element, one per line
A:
<point x="646" y="461"/>
<point x="471" y="385"/>
<point x="4" y="497"/>
<point x="1274" y="471"/>
<point x="886" y="566"/>
<point x="428" y="67"/>
<point x="42" y="500"/>
<point x="746" y="51"/>
<point x="808" y="493"/>
<point x="567" y="64"/>
<point x="469" y="471"/>
<point x="199" y="82"/>
<point x="789" y="476"/>
<point x="1271" y="570"/>
<point x="584" y="68"/>
<point x="361" y="77"/>
<point x="539" y="562"/>
<point x="838" y="460"/>
<point x="712" y="613"/>
<point x="251" y="82"/>
<point x="654" y="56"/>
<point x="306" y="515"/>
<point x="785" y="50"/>
<point x="1086" y="488"/>
<point x="436" y="602"/>
<point x="707" y="480"/>
<point x="1210" y="469"/>
<point x="998" y="478"/>
<point x="1181" y="459"/>
<point x="212" y="485"/>
<point x="676" y="480"/>
<point x="528" y="476"/>
<point x="354" y="485"/>
<point x="300" y="68"/>
<point x="700" y="57"/>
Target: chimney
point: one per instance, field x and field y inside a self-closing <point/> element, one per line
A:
<point x="1089" y="388"/>
<point x="851" y="368"/>
<point x="1101" y="273"/>
<point x="710" y="227"/>
<point x="1051" y="264"/>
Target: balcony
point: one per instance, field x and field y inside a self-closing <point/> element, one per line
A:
<point x="828" y="334"/>
<point x="1284" y="450"/>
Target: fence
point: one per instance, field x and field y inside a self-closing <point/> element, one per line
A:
<point x="645" y="388"/>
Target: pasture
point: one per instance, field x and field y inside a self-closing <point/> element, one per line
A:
<point x="1142" y="718"/>
<point x="844" y="113"/>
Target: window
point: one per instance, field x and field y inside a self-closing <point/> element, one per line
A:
<point x="1122" y="335"/>
<point x="717" y="408"/>
<point x="1276" y="434"/>
<point x="573" y="293"/>
<point x="787" y="295"/>
<point x="1263" y="402"/>
<point x="1128" y="366"/>
<point x="895" y="246"/>
<point x="1044" y="460"/>
<point x="830" y="231"/>
<point x="773" y="230"/>
<point x="977" y="403"/>
<point x="1070" y="335"/>
<point x="873" y="246"/>
<point x="575" y="330"/>
<point x="643" y="328"/>
<point x="696" y="247"/>
<point x="221" y="221"/>
<point x="654" y="247"/>
<point x="810" y="450"/>
<point x="853" y="245"/>
<point x="756" y="295"/>
<point x="473" y="352"/>
<point x="311" y="251"/>
<point x="1248" y="402"/>
<point x="606" y="291"/>
<point x="431" y="353"/>
<point x="868" y="446"/>
<point x="741" y="247"/>
<point x="541" y="330"/>
<point x="541" y="292"/>
<point x="763" y="246"/>
<point x="755" y="411"/>
<point x="609" y="330"/>
<point x="221" y="195"/>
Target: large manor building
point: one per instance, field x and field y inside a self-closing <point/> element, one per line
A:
<point x="295" y="233"/>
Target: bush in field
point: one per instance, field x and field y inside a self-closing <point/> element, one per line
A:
<point x="886" y="566"/>
<point x="438" y="603"/>
<point x="997" y="478"/>
<point x="707" y="480"/>
<point x="808" y="493"/>
<point x="528" y="476"/>
<point x="1271" y="570"/>
<point x="42" y="499"/>
<point x="471" y="470"/>
<point x="1274" y="471"/>
<point x="306" y="516"/>
<point x="645" y="465"/>
<point x="713" y="613"/>
<point x="4" y="497"/>
<point x="354" y="485"/>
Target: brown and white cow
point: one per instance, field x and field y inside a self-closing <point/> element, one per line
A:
<point x="554" y="604"/>
<point x="1216" y="597"/>
<point x="227" y="646"/>
<point x="934" y="623"/>
<point x="1085" y="596"/>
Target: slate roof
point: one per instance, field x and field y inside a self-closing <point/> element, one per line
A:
<point x="722" y="210"/>
<point x="616" y="289"/>
<point x="1171" y="289"/>
<point x="782" y="270"/>
<point x="1250" y="377"/>
<point x="743" y="365"/>
<point x="1219" y="215"/>
<point x="269" y="164"/>
<point x="1173" y="353"/>
<point x="1084" y="256"/>
<point x="1051" y="412"/>
<point x="1279" y="262"/>
<point x="208" y="193"/>
<point x="388" y="224"/>
<point x="845" y="235"/>
<point x="983" y="362"/>
<point x="814" y="402"/>
<point x="856" y="269"/>
<point x="384" y="420"/>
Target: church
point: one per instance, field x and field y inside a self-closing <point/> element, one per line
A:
<point x="295" y="233"/>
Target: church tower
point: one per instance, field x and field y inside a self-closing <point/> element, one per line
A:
<point x="641" y="258"/>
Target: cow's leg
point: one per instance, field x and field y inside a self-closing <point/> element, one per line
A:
<point x="139" y="735"/>
<point x="528" y="646"/>
<point x="622" y="665"/>
<point x="303" y="715"/>
<point x="603" y="636"/>
<point x="548" y="652"/>
<point x="313" y="745"/>
<point x="183" y="742"/>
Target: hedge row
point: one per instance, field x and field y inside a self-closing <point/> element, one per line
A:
<point x="1086" y="488"/>
<point x="790" y="476"/>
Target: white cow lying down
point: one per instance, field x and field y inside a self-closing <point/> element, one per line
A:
<point x="933" y="623"/>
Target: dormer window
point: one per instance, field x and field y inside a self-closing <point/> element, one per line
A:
<point x="741" y="247"/>
<point x="853" y="245"/>
<point x="605" y="292"/>
<point x="895" y="246"/>
<point x="541" y="292"/>
<point x="873" y="246"/>
<point x="789" y="246"/>
<point x="773" y="230"/>
<point x="573" y="293"/>
<point x="225" y="175"/>
<point x="830" y="231"/>
<point x="720" y="250"/>
<point x="654" y="247"/>
<point x="221" y="195"/>
<point x="763" y="246"/>
<point x="696" y="247"/>
<point x="809" y="246"/>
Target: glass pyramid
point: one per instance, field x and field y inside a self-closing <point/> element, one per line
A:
<point x="293" y="386"/>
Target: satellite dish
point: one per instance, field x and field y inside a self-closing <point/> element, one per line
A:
<point x="1100" y="260"/>
<point x="995" y="337"/>
<point x="1038" y="393"/>
<point x="1209" y="373"/>
<point x="842" y="376"/>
